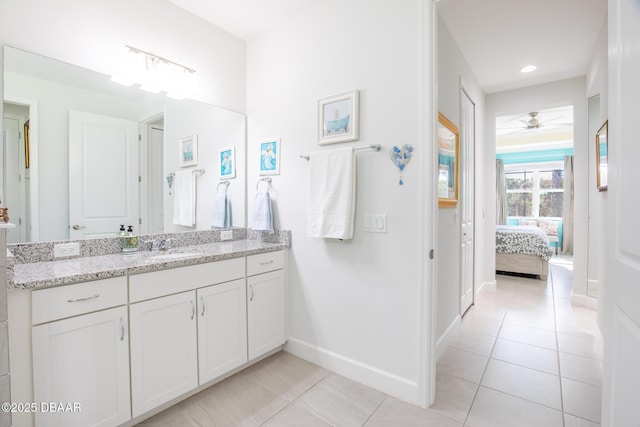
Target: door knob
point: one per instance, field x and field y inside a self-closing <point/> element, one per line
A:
<point x="77" y="227"/>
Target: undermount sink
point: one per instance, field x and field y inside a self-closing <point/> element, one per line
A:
<point x="172" y="256"/>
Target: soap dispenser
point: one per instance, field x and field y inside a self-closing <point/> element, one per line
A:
<point x="129" y="241"/>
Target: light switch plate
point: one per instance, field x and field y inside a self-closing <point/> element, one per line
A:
<point x="226" y="235"/>
<point x="375" y="223"/>
<point x="66" y="249"/>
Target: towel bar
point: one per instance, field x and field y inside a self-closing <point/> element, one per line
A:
<point x="266" y="179"/>
<point x="225" y="183"/>
<point x="374" y="147"/>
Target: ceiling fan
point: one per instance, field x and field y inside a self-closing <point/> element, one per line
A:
<point x="534" y="123"/>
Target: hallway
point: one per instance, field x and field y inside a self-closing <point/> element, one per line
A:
<point x="524" y="357"/>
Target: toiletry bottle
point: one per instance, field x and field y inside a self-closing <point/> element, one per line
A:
<point x="130" y="242"/>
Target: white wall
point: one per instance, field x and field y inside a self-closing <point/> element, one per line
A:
<point x="452" y="67"/>
<point x="354" y="305"/>
<point x="597" y="84"/>
<point x="94" y="34"/>
<point x="533" y="98"/>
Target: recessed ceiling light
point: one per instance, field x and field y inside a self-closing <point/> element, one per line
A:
<point x="528" y="69"/>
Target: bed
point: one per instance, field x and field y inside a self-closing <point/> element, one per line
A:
<point x="523" y="250"/>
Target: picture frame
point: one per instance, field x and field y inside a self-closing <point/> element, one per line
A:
<point x="227" y="163"/>
<point x="338" y="118"/>
<point x="448" y="159"/>
<point x="188" y="151"/>
<point x="602" y="156"/>
<point x="27" y="156"/>
<point x="270" y="156"/>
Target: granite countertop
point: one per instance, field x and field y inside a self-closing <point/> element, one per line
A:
<point x="61" y="272"/>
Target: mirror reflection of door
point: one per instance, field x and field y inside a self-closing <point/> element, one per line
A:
<point x="15" y="179"/>
<point x="155" y="176"/>
<point x="103" y="174"/>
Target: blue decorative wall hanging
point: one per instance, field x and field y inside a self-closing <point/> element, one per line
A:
<point x="400" y="157"/>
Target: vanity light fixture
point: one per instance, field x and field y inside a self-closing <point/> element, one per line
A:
<point x="157" y="74"/>
<point x="528" y="69"/>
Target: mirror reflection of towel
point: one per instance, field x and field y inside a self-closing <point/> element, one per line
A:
<point x="221" y="215"/>
<point x="262" y="213"/>
<point x="184" y="199"/>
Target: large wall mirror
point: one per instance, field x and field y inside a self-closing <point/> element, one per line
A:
<point x="56" y="186"/>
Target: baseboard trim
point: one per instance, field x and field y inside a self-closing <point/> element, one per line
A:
<point x="393" y="385"/>
<point x="584" y="301"/>
<point x="487" y="287"/>
<point x="449" y="334"/>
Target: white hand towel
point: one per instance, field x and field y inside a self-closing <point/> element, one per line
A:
<point x="332" y="194"/>
<point x="184" y="199"/>
<point x="221" y="215"/>
<point x="262" y="213"/>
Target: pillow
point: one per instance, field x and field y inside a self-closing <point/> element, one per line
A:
<point x="549" y="227"/>
<point x="528" y="222"/>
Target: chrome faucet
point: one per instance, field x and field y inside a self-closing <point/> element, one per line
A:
<point x="161" y="245"/>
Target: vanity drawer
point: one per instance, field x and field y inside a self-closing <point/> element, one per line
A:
<point x="172" y="281"/>
<point x="262" y="263"/>
<point x="72" y="300"/>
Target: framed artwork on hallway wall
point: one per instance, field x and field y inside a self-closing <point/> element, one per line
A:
<point x="602" y="156"/>
<point x="447" y="163"/>
<point x="338" y="118"/>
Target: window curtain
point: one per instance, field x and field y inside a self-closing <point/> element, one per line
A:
<point x="567" y="214"/>
<point x="501" y="194"/>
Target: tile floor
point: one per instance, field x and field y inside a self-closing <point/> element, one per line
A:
<point x="524" y="357"/>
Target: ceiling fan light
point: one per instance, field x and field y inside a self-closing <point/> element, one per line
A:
<point x="528" y="69"/>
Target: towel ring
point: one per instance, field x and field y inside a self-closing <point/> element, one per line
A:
<point x="266" y="179"/>
<point x="225" y="183"/>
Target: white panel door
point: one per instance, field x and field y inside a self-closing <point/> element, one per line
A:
<point x="103" y="174"/>
<point x="164" y="354"/>
<point x="467" y="200"/>
<point x="222" y="328"/>
<point x="265" y="312"/>
<point x="14" y="193"/>
<point x="621" y="287"/>
<point x="84" y="360"/>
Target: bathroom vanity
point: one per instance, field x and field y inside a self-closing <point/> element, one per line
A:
<point x="117" y="338"/>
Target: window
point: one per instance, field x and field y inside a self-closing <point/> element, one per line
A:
<point x="534" y="192"/>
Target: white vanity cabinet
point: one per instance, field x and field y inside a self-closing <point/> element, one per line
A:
<point x="81" y="358"/>
<point x="222" y="328"/>
<point x="124" y="346"/>
<point x="164" y="357"/>
<point x="265" y="303"/>
<point x="165" y="312"/>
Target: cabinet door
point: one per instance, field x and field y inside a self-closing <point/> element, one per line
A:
<point x="222" y="328"/>
<point x="164" y="359"/>
<point x="265" y="312"/>
<point x="83" y="360"/>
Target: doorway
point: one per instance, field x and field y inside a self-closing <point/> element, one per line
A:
<point x="16" y="178"/>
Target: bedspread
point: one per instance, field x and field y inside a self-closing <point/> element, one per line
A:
<point x="512" y="239"/>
